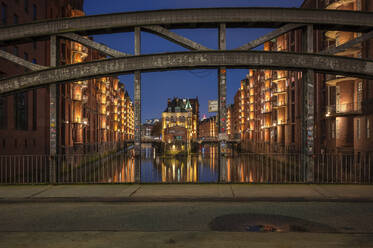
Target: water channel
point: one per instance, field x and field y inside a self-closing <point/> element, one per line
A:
<point x="204" y="167"/>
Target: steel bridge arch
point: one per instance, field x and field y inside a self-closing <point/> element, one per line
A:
<point x="191" y="60"/>
<point x="161" y="21"/>
<point x="190" y="18"/>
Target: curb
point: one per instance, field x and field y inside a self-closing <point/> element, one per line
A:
<point x="179" y="199"/>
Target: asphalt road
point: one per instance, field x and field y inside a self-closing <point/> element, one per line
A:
<point x="173" y="224"/>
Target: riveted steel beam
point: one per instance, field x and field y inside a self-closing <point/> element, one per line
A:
<point x="95" y="45"/>
<point x="19" y="61"/>
<point x="267" y="37"/>
<point x="191" y="18"/>
<point x="192" y="60"/>
<point x="173" y="37"/>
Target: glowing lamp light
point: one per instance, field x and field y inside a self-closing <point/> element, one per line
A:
<point x="85" y="121"/>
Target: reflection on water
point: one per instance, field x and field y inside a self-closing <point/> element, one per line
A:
<point x="202" y="168"/>
<point x="205" y="167"/>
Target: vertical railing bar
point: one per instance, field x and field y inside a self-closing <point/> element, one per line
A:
<point x="355" y="167"/>
<point x="37" y="169"/>
<point x="285" y="172"/>
<point x="345" y="169"/>
<point x="32" y="169"/>
<point x="362" y="161"/>
<point x="334" y="171"/>
<point x="340" y="169"/>
<point x="18" y="174"/>
<point x="6" y="171"/>
<point x="327" y="172"/>
<point x="369" y="165"/>
<point x="45" y="170"/>
<point x="1" y="170"/>
<point x="14" y="169"/>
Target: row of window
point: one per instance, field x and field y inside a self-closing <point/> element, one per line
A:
<point x="25" y="54"/>
<point x="20" y="111"/>
<point x="4" y="13"/>
<point x="174" y="119"/>
<point x="26" y="143"/>
<point x="358" y="129"/>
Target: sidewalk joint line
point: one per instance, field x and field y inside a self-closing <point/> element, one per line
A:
<point x="134" y="192"/>
<point x="315" y="188"/>
<point x="234" y="196"/>
<point x="38" y="193"/>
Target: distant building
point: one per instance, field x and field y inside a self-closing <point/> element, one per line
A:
<point x="208" y="128"/>
<point x="146" y="130"/>
<point x="180" y="120"/>
<point x="152" y="121"/>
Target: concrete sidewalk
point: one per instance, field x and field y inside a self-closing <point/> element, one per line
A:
<point x="185" y="192"/>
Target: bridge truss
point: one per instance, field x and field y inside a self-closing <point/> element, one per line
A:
<point x="162" y="23"/>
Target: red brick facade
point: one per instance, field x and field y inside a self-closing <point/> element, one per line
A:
<point x="92" y="115"/>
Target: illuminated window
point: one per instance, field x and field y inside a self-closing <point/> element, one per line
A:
<point x="333" y="129"/>
<point x="368" y="129"/>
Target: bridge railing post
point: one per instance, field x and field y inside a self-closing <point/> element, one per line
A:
<point x="137" y="109"/>
<point x="53" y="110"/>
<point x="308" y="112"/>
<point x="222" y="116"/>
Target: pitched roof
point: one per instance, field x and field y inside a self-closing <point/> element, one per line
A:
<point x="181" y="105"/>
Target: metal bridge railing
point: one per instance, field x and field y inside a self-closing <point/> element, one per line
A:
<point x="346" y="108"/>
<point x="276" y="168"/>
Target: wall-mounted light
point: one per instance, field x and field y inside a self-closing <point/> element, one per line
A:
<point x="85" y="121"/>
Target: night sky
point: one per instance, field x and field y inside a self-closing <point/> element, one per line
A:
<point x="158" y="86"/>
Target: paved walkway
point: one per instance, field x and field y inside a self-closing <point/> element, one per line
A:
<point x="185" y="192"/>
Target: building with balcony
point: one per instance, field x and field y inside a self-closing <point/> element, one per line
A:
<point x="343" y="104"/>
<point x="92" y="115"/>
<point x="346" y="115"/>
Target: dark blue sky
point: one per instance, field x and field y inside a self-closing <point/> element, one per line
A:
<point x="158" y="86"/>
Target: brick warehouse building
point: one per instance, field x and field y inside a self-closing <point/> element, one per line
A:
<point x="208" y="128"/>
<point x="343" y="105"/>
<point x="91" y="114"/>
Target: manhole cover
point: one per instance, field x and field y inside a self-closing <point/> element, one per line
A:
<point x="266" y="223"/>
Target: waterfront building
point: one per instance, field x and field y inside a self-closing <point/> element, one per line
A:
<point x="208" y="128"/>
<point x="92" y="115"/>
<point x="343" y="104"/>
<point x="180" y="120"/>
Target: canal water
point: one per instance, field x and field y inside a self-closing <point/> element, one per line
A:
<point x="204" y="167"/>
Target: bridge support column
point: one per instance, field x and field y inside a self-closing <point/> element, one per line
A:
<point x="308" y="113"/>
<point x="222" y="115"/>
<point x="137" y="109"/>
<point x="53" y="100"/>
